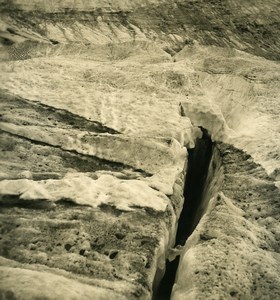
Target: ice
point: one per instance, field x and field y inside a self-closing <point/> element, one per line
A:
<point x="50" y="286"/>
<point x="83" y="190"/>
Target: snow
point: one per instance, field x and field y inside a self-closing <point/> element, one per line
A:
<point x="157" y="104"/>
<point x="83" y="5"/>
<point x="199" y="260"/>
<point x="157" y="108"/>
<point x="234" y="95"/>
<point x="118" y="96"/>
<point x="83" y="190"/>
<point x="232" y="247"/>
<point x="49" y="285"/>
<point x="208" y="115"/>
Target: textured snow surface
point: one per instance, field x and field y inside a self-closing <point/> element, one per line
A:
<point x="49" y="286"/>
<point x="100" y="113"/>
<point x="83" y="190"/>
<point x="199" y="259"/>
<point x="157" y="108"/>
<point x="234" y="95"/>
<point x="234" y="250"/>
<point x="81" y="4"/>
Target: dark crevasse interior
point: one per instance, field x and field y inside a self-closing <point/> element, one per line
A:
<point x="198" y="164"/>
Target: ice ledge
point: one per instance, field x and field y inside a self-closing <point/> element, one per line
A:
<point x="84" y="190"/>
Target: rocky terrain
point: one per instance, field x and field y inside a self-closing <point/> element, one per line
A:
<point x="140" y="149"/>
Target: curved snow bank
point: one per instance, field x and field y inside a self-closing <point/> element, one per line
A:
<point x="208" y="115"/>
<point x="234" y="96"/>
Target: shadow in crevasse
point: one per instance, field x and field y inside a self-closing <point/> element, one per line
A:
<point x="198" y="164"/>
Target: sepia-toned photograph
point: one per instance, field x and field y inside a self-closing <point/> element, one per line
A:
<point x="139" y="150"/>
